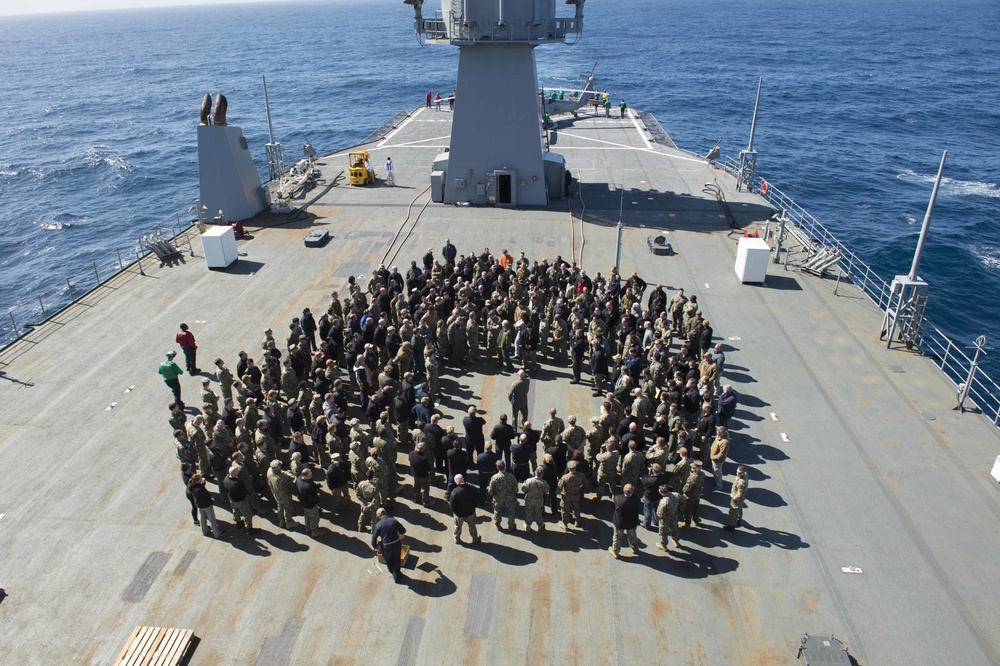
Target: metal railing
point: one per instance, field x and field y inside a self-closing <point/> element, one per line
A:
<point x="26" y="316"/>
<point x="949" y="356"/>
<point x="452" y="29"/>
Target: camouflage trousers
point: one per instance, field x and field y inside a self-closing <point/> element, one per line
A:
<point x="367" y="516"/>
<point x="533" y="513"/>
<point x="243" y="513"/>
<point x="735" y="513"/>
<point x="691" y="509"/>
<point x="504" y="506"/>
<point x="312" y="518"/>
<point x="668" y="527"/>
<point x="616" y="540"/>
<point x="341" y="497"/>
<point x="571" y="508"/>
<point x="227" y="392"/>
<point x="605" y="484"/>
<point x="467" y="520"/>
<point x="286" y="513"/>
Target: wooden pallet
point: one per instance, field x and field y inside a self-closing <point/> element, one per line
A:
<point x="155" y="646"/>
<point x="403" y="554"/>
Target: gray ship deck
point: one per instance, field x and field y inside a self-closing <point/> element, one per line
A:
<point x="96" y="536"/>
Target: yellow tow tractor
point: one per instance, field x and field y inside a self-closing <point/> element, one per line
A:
<point x="360" y="168"/>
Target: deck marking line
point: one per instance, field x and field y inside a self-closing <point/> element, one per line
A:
<point x="851" y="570"/>
<point x="774" y="417"/>
<point x="145" y="576"/>
<point x="398" y="127"/>
<point x="277" y="650"/>
<point x="479" y="612"/>
<point x="111" y="406"/>
<point x="708" y="286"/>
<point x="784" y="437"/>
<point x="185" y="563"/>
<point x="411" y="642"/>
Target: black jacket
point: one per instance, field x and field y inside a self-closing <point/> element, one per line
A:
<point x="420" y="465"/>
<point x="308" y="492"/>
<point x="463" y="500"/>
<point x="627" y="511"/>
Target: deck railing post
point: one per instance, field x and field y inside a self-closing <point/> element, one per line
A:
<point x="41" y="305"/>
<point x="138" y="261"/>
<point x="946" y="352"/>
<point x="13" y="323"/>
<point x="70" y="287"/>
<point x="121" y="265"/>
<point x="96" y="274"/>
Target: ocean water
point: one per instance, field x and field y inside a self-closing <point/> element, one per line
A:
<point x="98" y="112"/>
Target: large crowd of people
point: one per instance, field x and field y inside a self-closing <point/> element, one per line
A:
<point x="348" y="397"/>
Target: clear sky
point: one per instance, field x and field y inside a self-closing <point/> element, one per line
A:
<point x="8" y="7"/>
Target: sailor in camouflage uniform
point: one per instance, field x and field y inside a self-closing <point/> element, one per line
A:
<point x="282" y="485"/>
<point x="208" y="395"/>
<point x="225" y="377"/>
<point x="535" y="490"/>
<point x="692" y="493"/>
<point x="737" y="498"/>
<point x="607" y="470"/>
<point x="668" y="513"/>
<point x="633" y="466"/>
<point x="381" y="471"/>
<point x="573" y="435"/>
<point x="571" y="487"/>
<point x="369" y="499"/>
<point x="503" y="490"/>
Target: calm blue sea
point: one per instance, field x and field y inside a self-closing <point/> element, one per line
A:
<point x="98" y="113"/>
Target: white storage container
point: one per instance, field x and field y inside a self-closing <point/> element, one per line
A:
<point x="219" y="245"/>
<point x="752" y="256"/>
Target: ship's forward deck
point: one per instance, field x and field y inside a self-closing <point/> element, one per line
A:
<point x="856" y="458"/>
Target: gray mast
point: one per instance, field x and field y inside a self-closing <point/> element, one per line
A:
<point x="748" y="157"/>
<point x="904" y="313"/>
<point x="497" y="154"/>
<point x="275" y="166"/>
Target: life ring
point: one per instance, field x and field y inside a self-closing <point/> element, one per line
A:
<point x="764" y="188"/>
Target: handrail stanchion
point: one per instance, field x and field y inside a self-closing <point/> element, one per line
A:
<point x="13" y="323"/>
<point x="96" y="274"/>
<point x="41" y="305"/>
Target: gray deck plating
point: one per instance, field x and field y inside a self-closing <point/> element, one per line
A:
<point x="865" y="479"/>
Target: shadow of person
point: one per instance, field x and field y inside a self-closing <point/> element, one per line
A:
<point x="246" y="542"/>
<point x="764" y="497"/>
<point x="346" y="543"/>
<point x="438" y="586"/>
<point x="749" y="536"/>
<point x="506" y="554"/>
<point x="414" y="516"/>
<point x="282" y="541"/>
<point x="685" y="562"/>
<point x="418" y="546"/>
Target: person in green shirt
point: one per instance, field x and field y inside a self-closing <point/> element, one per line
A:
<point x="170" y="372"/>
